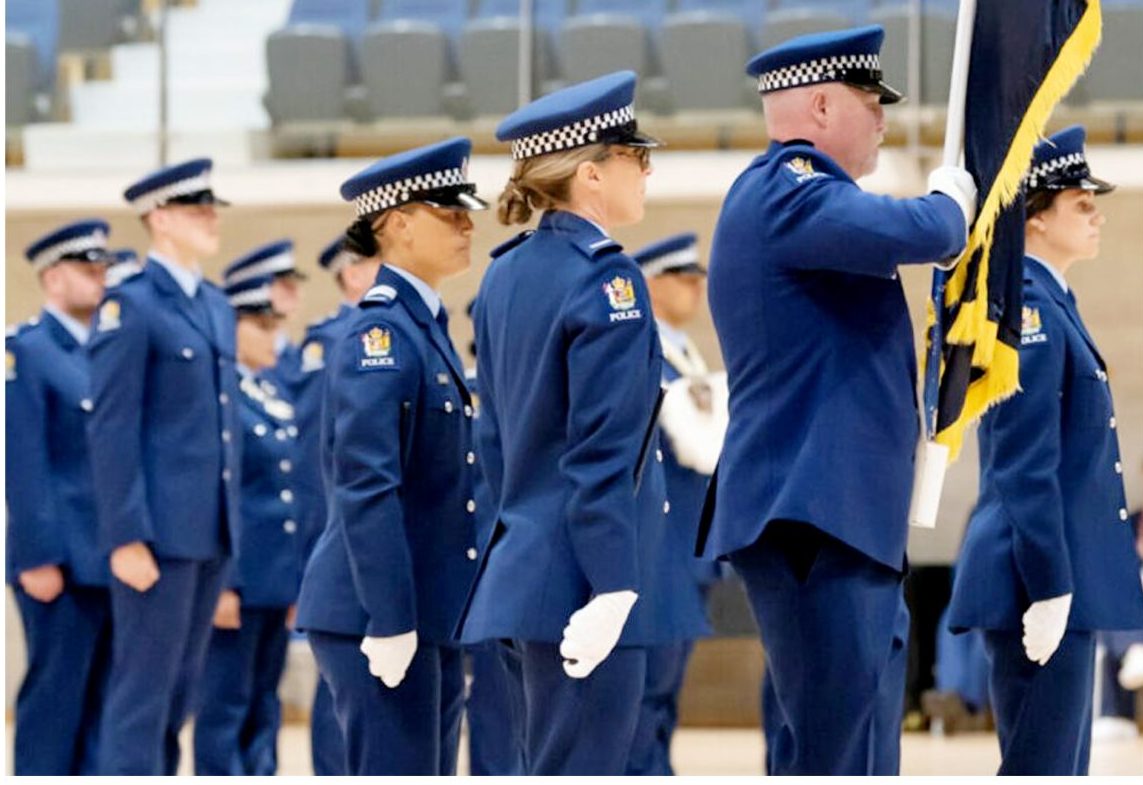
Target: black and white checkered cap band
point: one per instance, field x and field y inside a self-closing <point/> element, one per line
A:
<point x="76" y="245"/>
<point x="251" y="298"/>
<point x="145" y="203"/>
<point x="680" y="258"/>
<point x="400" y="191"/>
<point x="1056" y="166"/>
<point x="577" y="134"/>
<point x="827" y="69"/>
<point x="271" y="265"/>
<point x="342" y="259"/>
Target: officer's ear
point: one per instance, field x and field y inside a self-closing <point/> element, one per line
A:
<point x="589" y="175"/>
<point x="819" y="107"/>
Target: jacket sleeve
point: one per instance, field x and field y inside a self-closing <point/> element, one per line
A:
<point x="370" y="402"/>
<point x="1026" y="443"/>
<point x="118" y="350"/>
<point x="840" y="227"/>
<point x="34" y="538"/>
<point x="489" y="449"/>
<point x="609" y="343"/>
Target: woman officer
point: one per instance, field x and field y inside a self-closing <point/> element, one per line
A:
<point x="1047" y="558"/>
<point x="389" y="574"/>
<point x="569" y="362"/>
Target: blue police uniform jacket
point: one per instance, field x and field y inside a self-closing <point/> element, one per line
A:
<point x="304" y="375"/>
<point x="51" y="505"/>
<point x="1052" y="517"/>
<point x="818" y="347"/>
<point x="686" y="490"/>
<point x="269" y="567"/>
<point x="163" y="433"/>
<point x="570" y="367"/>
<point x="399" y="550"/>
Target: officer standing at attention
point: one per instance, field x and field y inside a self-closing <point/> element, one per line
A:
<point x="384" y="587"/>
<point x="163" y="438"/>
<point x="354" y="275"/>
<point x="1048" y="558"/>
<point x="54" y="565"/>
<point x="812" y="491"/>
<point x="693" y="420"/>
<point x="236" y="725"/>
<point x="570" y="366"/>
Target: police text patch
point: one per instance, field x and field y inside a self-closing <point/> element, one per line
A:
<point x="621" y="298"/>
<point x="1031" y="329"/>
<point x="375" y="349"/>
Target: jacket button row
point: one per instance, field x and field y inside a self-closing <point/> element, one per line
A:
<point x="287" y="496"/>
<point x="470" y="457"/>
<point x="1122" y="514"/>
<point x="471" y="554"/>
<point x="448" y="406"/>
<point x="470" y="506"/>
<point x="666" y="507"/>
<point x="289" y="527"/>
<point x="285" y="466"/>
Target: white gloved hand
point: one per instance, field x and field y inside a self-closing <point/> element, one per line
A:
<point x="1130" y="674"/>
<point x="1045" y="623"/>
<point x="389" y="657"/>
<point x="957" y="184"/>
<point x="593" y="631"/>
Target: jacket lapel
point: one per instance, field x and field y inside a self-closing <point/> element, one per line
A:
<point x="1035" y="271"/>
<point x="168" y="287"/>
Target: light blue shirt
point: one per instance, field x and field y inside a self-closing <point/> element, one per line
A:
<point x="672" y="335"/>
<point x="1055" y="273"/>
<point x="428" y="294"/>
<point x="188" y="280"/>
<point x="80" y="331"/>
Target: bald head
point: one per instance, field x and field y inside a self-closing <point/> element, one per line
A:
<point x="844" y="122"/>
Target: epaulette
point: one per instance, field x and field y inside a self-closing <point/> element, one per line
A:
<point x="382" y="294"/>
<point x="593" y="246"/>
<point x="13" y="330"/>
<point x="505" y="247"/>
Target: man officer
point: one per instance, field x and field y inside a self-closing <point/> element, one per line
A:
<point x="815" y="477"/>
<point x="162" y="437"/>
<point x="54" y="566"/>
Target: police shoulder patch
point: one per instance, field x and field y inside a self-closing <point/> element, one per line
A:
<point x="375" y="349"/>
<point x="109" y="314"/>
<point x="9" y="365"/>
<point x="622" y="300"/>
<point x="313" y="356"/>
<point x="802" y="170"/>
<point x="1031" y="327"/>
<point x="382" y="294"/>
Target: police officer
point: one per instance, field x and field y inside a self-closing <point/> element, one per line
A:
<point x="693" y="418"/>
<point x="1048" y="556"/>
<point x="54" y="567"/>
<point x="389" y="573"/>
<point x="236" y="727"/>
<point x="812" y="491"/>
<point x="162" y="437"/>
<point x="124" y="263"/>
<point x="354" y="275"/>
<point x="570" y="366"/>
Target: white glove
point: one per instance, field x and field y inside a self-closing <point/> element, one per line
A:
<point x="389" y="657"/>
<point x="1045" y="623"/>
<point x="1131" y="668"/>
<point x="593" y="631"/>
<point x="958" y="185"/>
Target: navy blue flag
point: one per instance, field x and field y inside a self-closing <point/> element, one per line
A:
<point x="1026" y="55"/>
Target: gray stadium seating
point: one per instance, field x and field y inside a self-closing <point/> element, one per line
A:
<point x="391" y="53"/>
<point x="938" y="34"/>
<point x="703" y="55"/>
<point x="1116" y="71"/>
<point x="597" y="44"/>
<point x="448" y="15"/>
<point x="307" y="73"/>
<point x="489" y="64"/>
<point x="20" y="80"/>
<point x="787" y="23"/>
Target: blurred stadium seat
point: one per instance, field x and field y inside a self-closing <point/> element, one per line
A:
<point x="391" y="53"/>
<point x="308" y="73"/>
<point x="448" y="15"/>
<point x="1116" y="72"/>
<point x="703" y="54"/>
<point x="20" y="80"/>
<point x="352" y="16"/>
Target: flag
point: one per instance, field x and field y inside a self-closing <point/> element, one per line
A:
<point x="1026" y="55"/>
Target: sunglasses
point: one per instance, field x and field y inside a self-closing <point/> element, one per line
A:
<point x="640" y="154"/>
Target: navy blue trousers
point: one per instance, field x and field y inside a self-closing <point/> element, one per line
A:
<point x="659" y="710"/>
<point x="1043" y="713"/>
<point x="236" y="726"/>
<point x="159" y="645"/>
<point x="495" y="710"/>
<point x="580" y="726"/>
<point x="413" y="729"/>
<point x="69" y="657"/>
<point x="327" y="750"/>
<point x="835" y="627"/>
<point x="962" y="665"/>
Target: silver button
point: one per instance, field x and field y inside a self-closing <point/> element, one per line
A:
<point x="86" y="405"/>
<point x="471" y="506"/>
<point x="188" y="352"/>
<point x="1122" y="514"/>
<point x="223" y="398"/>
<point x="467" y="410"/>
<point x="666" y="507"/>
<point x="448" y="406"/>
<point x="1118" y="467"/>
<point x="292" y="430"/>
<point x="260" y="429"/>
<point x="280" y="435"/>
<point x="471" y="554"/>
<point x="287" y="496"/>
<point x="226" y="475"/>
<point x="289" y="527"/>
<point x="285" y="466"/>
<point x="1101" y="375"/>
<point x="225" y="435"/>
<point x="470" y="457"/>
<point x="659" y="456"/>
<point x="1111" y="423"/>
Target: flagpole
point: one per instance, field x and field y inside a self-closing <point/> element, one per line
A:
<point x="933" y="458"/>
